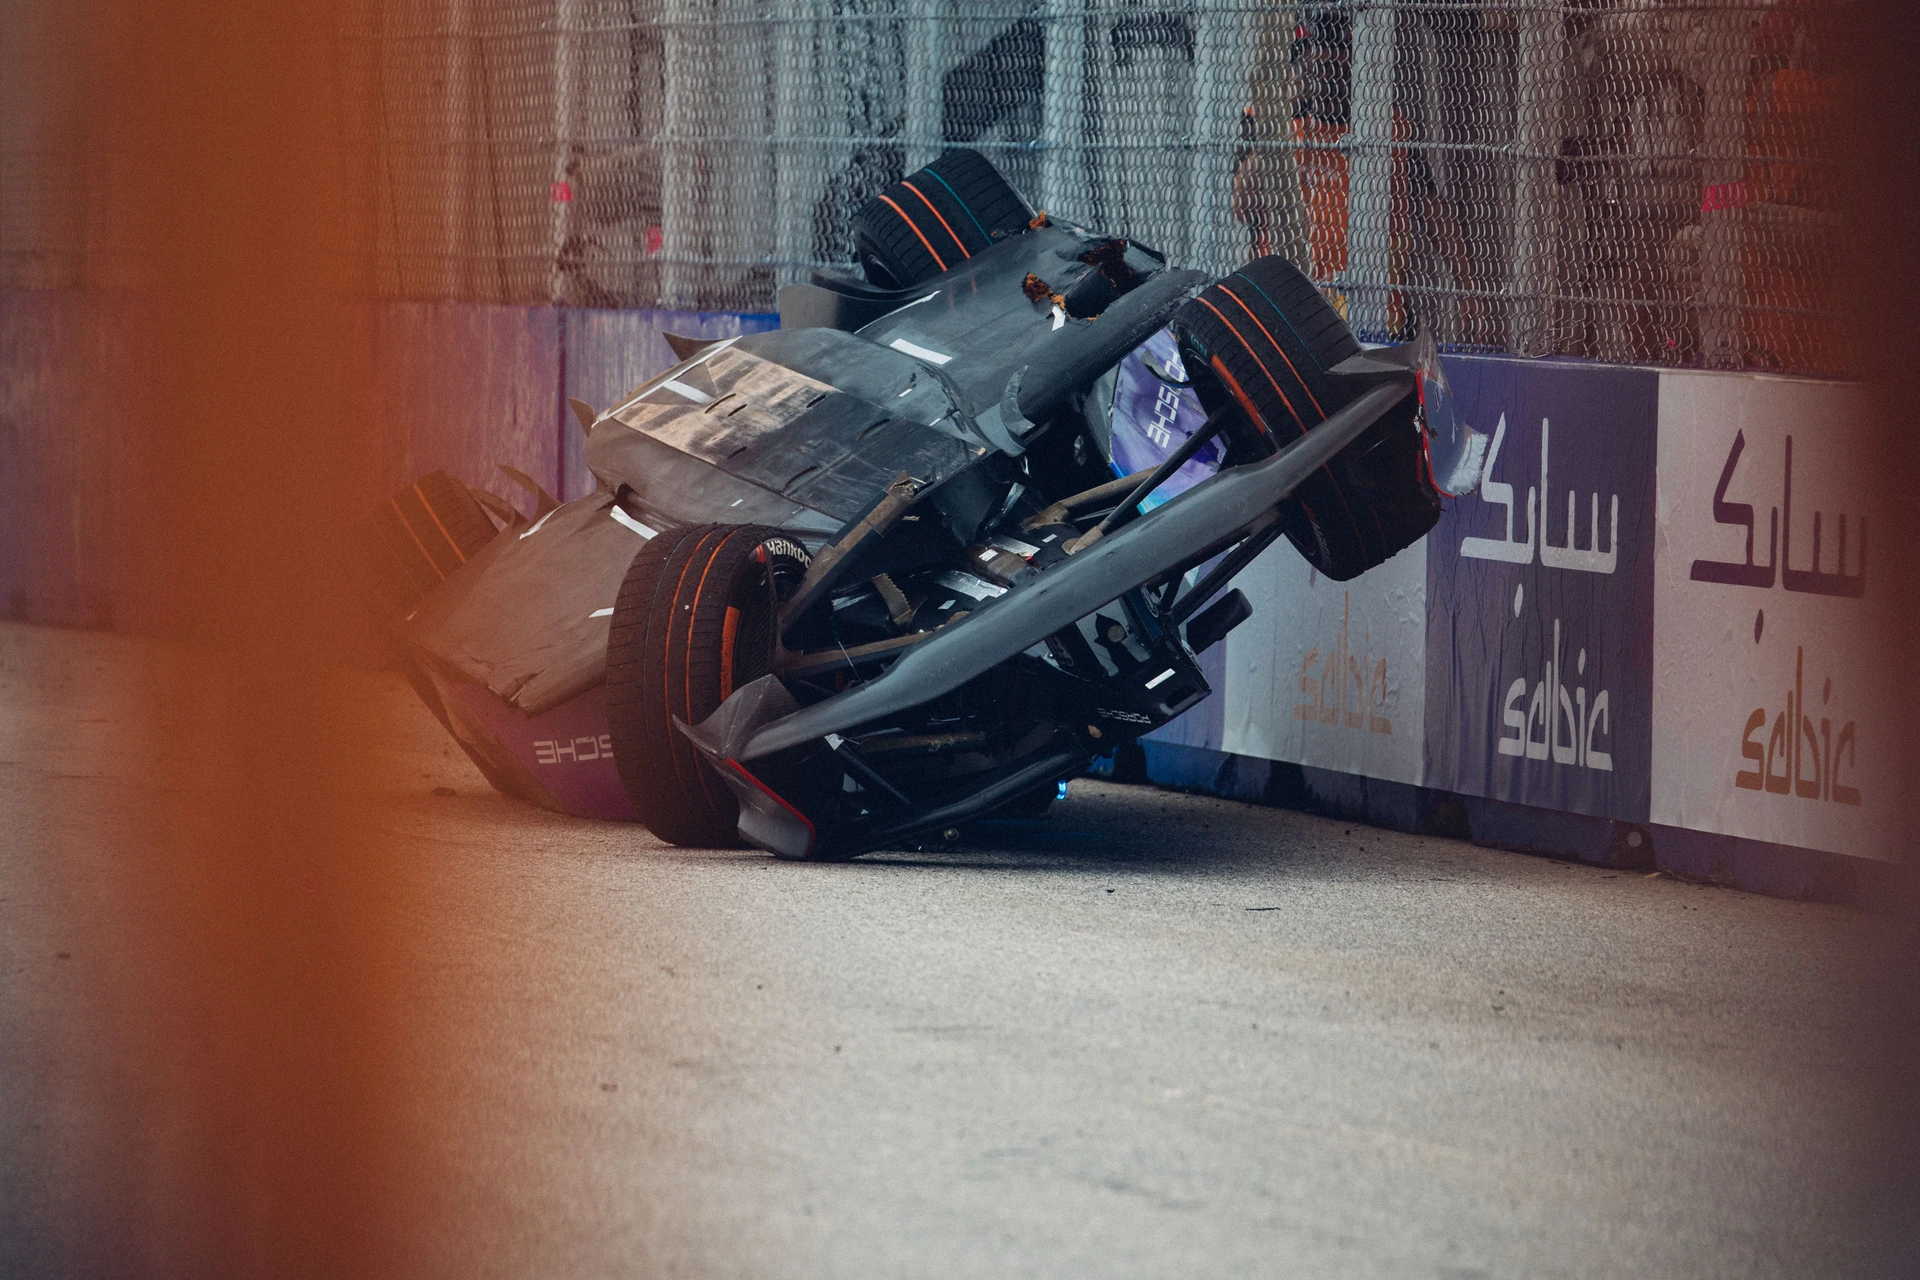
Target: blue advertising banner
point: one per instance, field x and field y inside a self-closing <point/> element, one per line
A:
<point x="1539" y="654"/>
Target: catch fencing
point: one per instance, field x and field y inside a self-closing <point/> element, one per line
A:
<point x="1632" y="180"/>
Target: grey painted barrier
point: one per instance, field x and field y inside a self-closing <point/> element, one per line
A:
<point x="1636" y="645"/>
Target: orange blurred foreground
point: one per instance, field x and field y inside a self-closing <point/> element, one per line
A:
<point x="234" y="1034"/>
<point x="235" y="1050"/>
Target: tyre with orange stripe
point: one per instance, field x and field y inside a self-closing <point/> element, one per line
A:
<point x="694" y="621"/>
<point x="1264" y="337"/>
<point x="933" y="220"/>
<point x="425" y="532"/>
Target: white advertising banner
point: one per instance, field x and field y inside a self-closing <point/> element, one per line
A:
<point x="1767" y="718"/>
<point x="1331" y="674"/>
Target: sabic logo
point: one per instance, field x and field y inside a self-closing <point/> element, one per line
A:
<point x="1751" y="573"/>
<point x="1554" y="710"/>
<point x="1131" y="717"/>
<point x="1566" y="556"/>
<point x="573" y="750"/>
<point x="1793" y="730"/>
<point x="1349" y="687"/>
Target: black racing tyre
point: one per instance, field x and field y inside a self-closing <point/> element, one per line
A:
<point x="933" y="220"/>
<point x="426" y="531"/>
<point x="694" y="621"/>
<point x="1265" y="337"/>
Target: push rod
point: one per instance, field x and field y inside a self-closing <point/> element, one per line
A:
<point x="1085" y="498"/>
<point x="1221" y="574"/>
<point x="1158" y="476"/>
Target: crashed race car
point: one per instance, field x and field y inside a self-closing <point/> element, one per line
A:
<point x="954" y="531"/>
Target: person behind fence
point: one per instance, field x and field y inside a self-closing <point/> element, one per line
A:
<point x="1791" y="200"/>
<point x="1291" y="183"/>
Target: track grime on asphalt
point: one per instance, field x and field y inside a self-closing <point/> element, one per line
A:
<point x="1148" y="1034"/>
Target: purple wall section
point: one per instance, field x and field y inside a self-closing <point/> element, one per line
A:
<point x="461" y="388"/>
<point x="457" y="388"/>
<point x="70" y="468"/>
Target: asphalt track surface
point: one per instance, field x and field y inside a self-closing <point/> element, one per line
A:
<point x="1150" y="1035"/>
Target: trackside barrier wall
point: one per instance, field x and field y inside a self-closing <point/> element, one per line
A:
<point x="1638" y="644"/>
<point x="457" y="387"/>
<point x="1587" y="658"/>
<point x="69" y="461"/>
<point x="463" y="388"/>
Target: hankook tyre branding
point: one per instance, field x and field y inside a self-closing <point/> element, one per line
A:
<point x="788" y="547"/>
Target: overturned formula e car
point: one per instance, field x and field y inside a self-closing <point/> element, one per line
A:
<point x="951" y="533"/>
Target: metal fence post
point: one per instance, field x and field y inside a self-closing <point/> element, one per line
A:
<point x="1539" y="91"/>
<point x="1063" y="107"/>
<point x="926" y="65"/>
<point x="566" y="19"/>
<point x="457" y="277"/>
<point x="1222" y="54"/>
<point x="1723" y="198"/>
<point x="740" y="224"/>
<point x="1370" y="170"/>
<point x="795" y="106"/>
<point x="680" y="194"/>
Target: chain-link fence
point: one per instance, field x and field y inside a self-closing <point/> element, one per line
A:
<point x="61" y="226"/>
<point x="1633" y="180"/>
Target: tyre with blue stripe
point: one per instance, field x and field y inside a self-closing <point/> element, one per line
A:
<point x="1264" y="337"/>
<point x="932" y="220"/>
